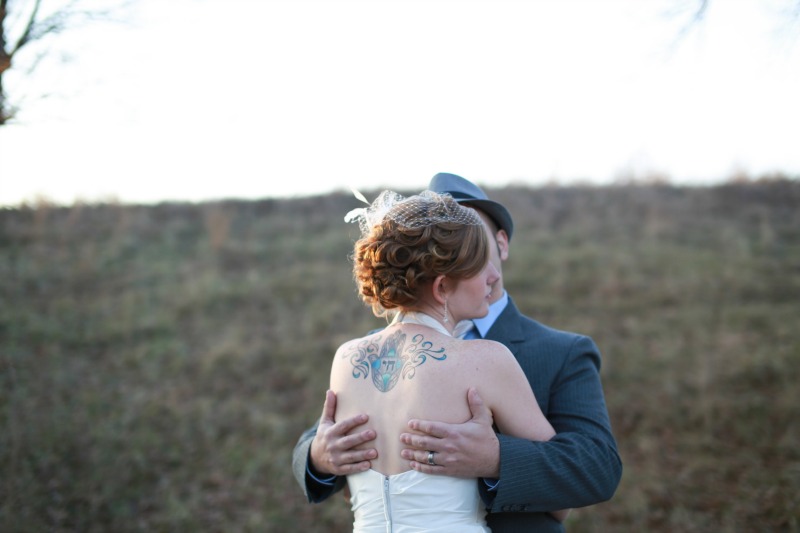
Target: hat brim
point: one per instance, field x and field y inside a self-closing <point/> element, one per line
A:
<point x="466" y="192"/>
<point x="495" y="211"/>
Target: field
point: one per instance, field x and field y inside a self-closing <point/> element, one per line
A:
<point x="158" y="363"/>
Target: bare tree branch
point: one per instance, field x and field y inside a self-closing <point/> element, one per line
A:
<point x="698" y="12"/>
<point x="26" y="34"/>
<point x="32" y="26"/>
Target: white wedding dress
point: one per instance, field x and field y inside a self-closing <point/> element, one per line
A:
<point x="413" y="501"/>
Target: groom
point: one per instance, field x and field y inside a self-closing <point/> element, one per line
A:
<point x="520" y="480"/>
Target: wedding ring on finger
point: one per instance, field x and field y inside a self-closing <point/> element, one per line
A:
<point x="430" y="458"/>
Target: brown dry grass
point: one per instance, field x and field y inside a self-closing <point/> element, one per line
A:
<point x="157" y="363"/>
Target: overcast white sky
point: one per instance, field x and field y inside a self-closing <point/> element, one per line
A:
<point x="201" y="99"/>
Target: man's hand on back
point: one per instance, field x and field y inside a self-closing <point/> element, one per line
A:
<point x="332" y="450"/>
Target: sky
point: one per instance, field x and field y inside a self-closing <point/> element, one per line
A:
<point x="195" y="100"/>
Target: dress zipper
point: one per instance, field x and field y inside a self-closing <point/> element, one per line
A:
<point x="387" y="507"/>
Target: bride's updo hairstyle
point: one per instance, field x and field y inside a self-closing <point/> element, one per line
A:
<point x="407" y="242"/>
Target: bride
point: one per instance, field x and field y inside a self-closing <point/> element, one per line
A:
<point x="422" y="262"/>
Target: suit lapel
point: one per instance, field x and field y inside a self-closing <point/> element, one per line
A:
<point x="507" y="329"/>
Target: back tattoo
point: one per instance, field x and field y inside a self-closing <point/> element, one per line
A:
<point x="392" y="359"/>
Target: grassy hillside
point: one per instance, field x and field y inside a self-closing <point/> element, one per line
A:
<point x="157" y="363"/>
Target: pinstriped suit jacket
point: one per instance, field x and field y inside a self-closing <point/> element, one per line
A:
<point x="578" y="467"/>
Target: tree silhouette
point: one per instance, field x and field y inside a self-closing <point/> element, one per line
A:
<point x="27" y="24"/>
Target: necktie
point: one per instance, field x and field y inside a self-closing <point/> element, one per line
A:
<point x="472" y="333"/>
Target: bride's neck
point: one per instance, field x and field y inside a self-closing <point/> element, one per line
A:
<point x="437" y="316"/>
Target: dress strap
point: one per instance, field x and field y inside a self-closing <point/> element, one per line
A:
<point x="423" y="319"/>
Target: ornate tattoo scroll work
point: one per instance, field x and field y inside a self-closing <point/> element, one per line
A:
<point x="390" y="361"/>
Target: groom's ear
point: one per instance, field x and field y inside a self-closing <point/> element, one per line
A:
<point x="502" y="244"/>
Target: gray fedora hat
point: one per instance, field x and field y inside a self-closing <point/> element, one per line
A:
<point x="466" y="192"/>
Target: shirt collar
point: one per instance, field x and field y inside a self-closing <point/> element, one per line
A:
<point x="483" y="325"/>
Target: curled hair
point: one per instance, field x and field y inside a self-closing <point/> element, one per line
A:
<point x="393" y="263"/>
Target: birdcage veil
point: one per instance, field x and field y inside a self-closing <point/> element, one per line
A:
<point x="420" y="210"/>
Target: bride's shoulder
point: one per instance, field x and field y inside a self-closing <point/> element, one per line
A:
<point x="369" y="343"/>
<point x="484" y="349"/>
<point x="356" y="344"/>
<point x="485" y="344"/>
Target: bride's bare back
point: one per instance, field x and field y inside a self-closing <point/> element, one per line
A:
<point x="412" y="371"/>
